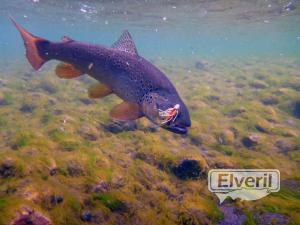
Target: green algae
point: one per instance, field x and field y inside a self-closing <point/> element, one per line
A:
<point x="8" y="98"/>
<point x="110" y="201"/>
<point x="20" y="140"/>
<point x="61" y="147"/>
<point x="3" y="122"/>
<point x="47" y="118"/>
<point x="249" y="219"/>
<point x="3" y="203"/>
<point x="66" y="141"/>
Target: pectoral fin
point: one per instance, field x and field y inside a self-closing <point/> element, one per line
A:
<point x="99" y="91"/>
<point x="67" y="71"/>
<point x="126" y="111"/>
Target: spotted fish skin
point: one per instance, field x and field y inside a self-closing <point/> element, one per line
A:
<point x="129" y="76"/>
<point x="144" y="88"/>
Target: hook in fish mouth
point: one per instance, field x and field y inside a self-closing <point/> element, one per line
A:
<point x="169" y="115"/>
<point x="168" y="118"/>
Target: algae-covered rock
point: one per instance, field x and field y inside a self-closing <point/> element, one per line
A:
<point x="258" y="85"/>
<point x="199" y="65"/>
<point x="47" y="117"/>
<point x="111" y="202"/>
<point x="5" y="98"/>
<point x="166" y="190"/>
<point x="3" y="101"/>
<point x="53" y="169"/>
<point x="292" y="184"/>
<point x="96" y="217"/>
<point x="86" y="216"/>
<point x="195" y="139"/>
<point x="48" y="86"/>
<point x="263" y="126"/>
<point x="49" y="201"/>
<point x="213" y="98"/>
<point x="117" y="127"/>
<point x="193" y="217"/>
<point x="89" y="133"/>
<point x="296" y="109"/>
<point x="118" y="181"/>
<point x="232" y="216"/>
<point x="293" y="85"/>
<point x="259" y="76"/>
<point x="87" y="101"/>
<point x="239" y="85"/>
<point x="20" y="140"/>
<point x="189" y="169"/>
<point x="270" y="100"/>
<point x="27" y="107"/>
<point x="202" y="65"/>
<point x="3" y="82"/>
<point x="251" y="140"/>
<point x="8" y="168"/>
<point x="285" y="146"/>
<point x="226" y="137"/>
<point x="223" y="165"/>
<point x="58" y="112"/>
<point x="292" y="107"/>
<point x="31" y="217"/>
<point x="74" y="169"/>
<point x="236" y="112"/>
<point x="269" y="218"/>
<point x="102" y="186"/>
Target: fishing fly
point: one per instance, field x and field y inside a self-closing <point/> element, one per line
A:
<point x="169" y="114"/>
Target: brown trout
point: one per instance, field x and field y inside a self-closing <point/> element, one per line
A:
<point x="120" y="70"/>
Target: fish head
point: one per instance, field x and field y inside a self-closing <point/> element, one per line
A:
<point x="168" y="111"/>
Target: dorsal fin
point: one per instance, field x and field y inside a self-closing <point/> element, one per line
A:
<point x="125" y="43"/>
<point x="66" y="39"/>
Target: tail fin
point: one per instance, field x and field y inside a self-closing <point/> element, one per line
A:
<point x="31" y="44"/>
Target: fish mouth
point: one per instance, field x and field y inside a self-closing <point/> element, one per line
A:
<point x="177" y="129"/>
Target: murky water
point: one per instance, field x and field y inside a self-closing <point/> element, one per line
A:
<point x="236" y="65"/>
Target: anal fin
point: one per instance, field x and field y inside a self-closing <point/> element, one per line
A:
<point x="67" y="71"/>
<point x="126" y="111"/>
<point x="99" y="91"/>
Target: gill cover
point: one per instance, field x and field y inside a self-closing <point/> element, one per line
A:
<point x="159" y="109"/>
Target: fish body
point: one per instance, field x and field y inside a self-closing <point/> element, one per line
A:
<point x="145" y="89"/>
<point x="129" y="76"/>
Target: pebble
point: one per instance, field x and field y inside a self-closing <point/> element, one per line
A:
<point x="251" y="140"/>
